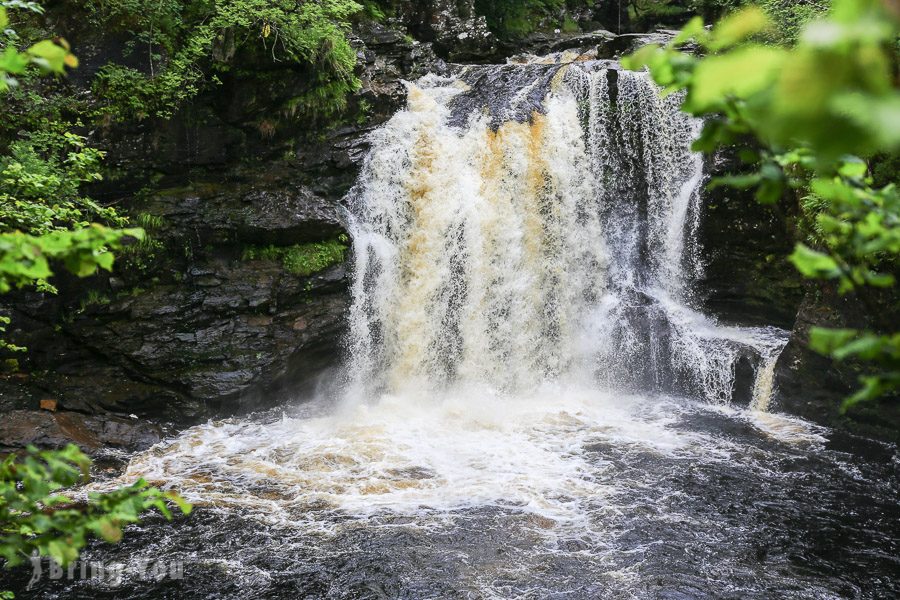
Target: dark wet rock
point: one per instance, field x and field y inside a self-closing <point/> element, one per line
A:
<point x="458" y="33"/>
<point x="248" y="118"/>
<point x="620" y="45"/>
<point x="747" y="278"/>
<point x="541" y="43"/>
<point x="265" y="210"/>
<point x="588" y="45"/>
<point x="216" y="340"/>
<point x="44" y="429"/>
<point x="813" y="386"/>
<point x="496" y="90"/>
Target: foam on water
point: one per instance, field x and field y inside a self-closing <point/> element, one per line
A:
<point x="521" y="291"/>
<point x="419" y="454"/>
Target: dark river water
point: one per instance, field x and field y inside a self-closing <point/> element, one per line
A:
<point x="595" y="497"/>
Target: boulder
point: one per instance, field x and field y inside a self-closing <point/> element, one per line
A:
<point x="458" y="33"/>
<point x="813" y="386"/>
<point x="44" y="429"/>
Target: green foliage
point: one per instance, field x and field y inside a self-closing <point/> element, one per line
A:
<point x="188" y="44"/>
<point x="375" y="11"/>
<point x="145" y="255"/>
<point x="646" y="14"/>
<point x="26" y="259"/>
<point x="812" y="109"/>
<point x="782" y="95"/>
<point x="859" y="231"/>
<point x="513" y="19"/>
<point x="4" y="345"/>
<point x="40" y="182"/>
<point x="44" y="217"/>
<point x="50" y="56"/>
<point x="790" y="15"/>
<point x="150" y="222"/>
<point x="882" y="350"/>
<point x="93" y="298"/>
<point x="36" y="517"/>
<point x="302" y="259"/>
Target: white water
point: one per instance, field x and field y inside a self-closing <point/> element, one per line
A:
<point x="557" y="249"/>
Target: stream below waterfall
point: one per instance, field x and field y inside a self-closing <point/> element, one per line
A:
<point x="533" y="405"/>
<point x="566" y="493"/>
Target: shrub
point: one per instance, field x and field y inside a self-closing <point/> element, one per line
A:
<point x="184" y="46"/>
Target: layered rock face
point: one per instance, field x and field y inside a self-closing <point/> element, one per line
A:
<point x="212" y="315"/>
<point x="813" y="386"/>
<point x="746" y="278"/>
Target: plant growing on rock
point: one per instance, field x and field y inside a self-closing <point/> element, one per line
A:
<point x="45" y="220"/>
<point x="182" y="47"/>
<point x="302" y="259"/>
<point x="817" y="111"/>
<point x="35" y="517"/>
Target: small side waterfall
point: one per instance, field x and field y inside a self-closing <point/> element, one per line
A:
<point x="520" y="224"/>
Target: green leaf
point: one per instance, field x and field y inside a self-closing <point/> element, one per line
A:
<point x="737" y="27"/>
<point x="741" y="182"/>
<point x="183" y="505"/>
<point x="873" y="387"/>
<point x="853" y="168"/>
<point x="738" y="74"/>
<point x="769" y="191"/>
<point x="878" y="116"/>
<point x="109" y="531"/>
<point x="13" y="62"/>
<point x="61" y="551"/>
<point x="866" y="347"/>
<point x="693" y="30"/>
<point x="51" y="56"/>
<point x="882" y="280"/>
<point x="715" y="133"/>
<point x="814" y="264"/>
<point x="641" y="57"/>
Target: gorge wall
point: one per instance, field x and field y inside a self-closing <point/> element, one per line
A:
<point x="220" y="312"/>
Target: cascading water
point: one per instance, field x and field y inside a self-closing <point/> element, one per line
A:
<point x="550" y="239"/>
<point x="533" y="406"/>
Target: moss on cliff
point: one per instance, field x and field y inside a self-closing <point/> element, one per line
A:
<point x="302" y="259"/>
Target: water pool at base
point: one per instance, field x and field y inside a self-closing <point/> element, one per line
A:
<point x="469" y="496"/>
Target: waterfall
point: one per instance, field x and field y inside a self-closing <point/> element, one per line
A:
<point x="536" y="405"/>
<point x="516" y="225"/>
